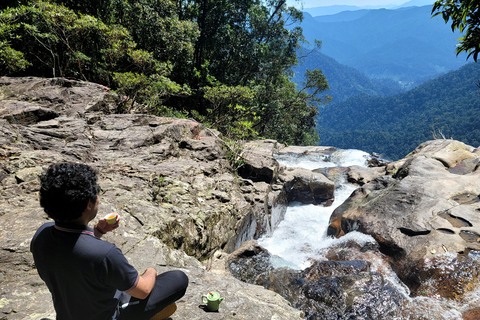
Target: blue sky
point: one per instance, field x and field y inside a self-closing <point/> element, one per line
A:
<point x="319" y="3"/>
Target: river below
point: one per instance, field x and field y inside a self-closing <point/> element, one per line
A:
<point x="302" y="238"/>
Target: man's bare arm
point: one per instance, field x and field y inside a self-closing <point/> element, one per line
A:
<point x="145" y="284"/>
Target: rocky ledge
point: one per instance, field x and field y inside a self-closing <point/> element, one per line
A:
<point x="423" y="207"/>
<point x="170" y="180"/>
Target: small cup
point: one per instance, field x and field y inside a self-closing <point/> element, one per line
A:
<point x="111" y="218"/>
<point x="212" y="300"/>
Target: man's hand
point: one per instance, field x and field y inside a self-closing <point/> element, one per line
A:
<point x="103" y="227"/>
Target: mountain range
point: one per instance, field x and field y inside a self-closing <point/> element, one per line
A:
<point x="405" y="45"/>
<point x="330" y="8"/>
<point x="394" y="78"/>
<point x="344" y="81"/>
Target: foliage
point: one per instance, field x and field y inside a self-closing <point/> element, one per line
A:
<point x="234" y="153"/>
<point x="289" y="113"/>
<point x="11" y="60"/>
<point x="393" y="126"/>
<point x="150" y="90"/>
<point x="55" y="41"/>
<point x="465" y="16"/>
<point x="227" y="63"/>
<point x="152" y="24"/>
<point x="231" y="110"/>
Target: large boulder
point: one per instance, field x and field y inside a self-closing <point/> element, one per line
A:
<point x="257" y="161"/>
<point x="308" y="187"/>
<point x="427" y="204"/>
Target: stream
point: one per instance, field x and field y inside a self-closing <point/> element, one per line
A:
<point x="302" y="238"/>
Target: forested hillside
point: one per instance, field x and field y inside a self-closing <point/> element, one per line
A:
<point x="225" y="63"/>
<point x="344" y="81"/>
<point x="447" y="106"/>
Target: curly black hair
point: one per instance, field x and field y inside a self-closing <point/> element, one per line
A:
<point x="66" y="188"/>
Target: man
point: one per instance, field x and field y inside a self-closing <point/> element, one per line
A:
<point x="90" y="278"/>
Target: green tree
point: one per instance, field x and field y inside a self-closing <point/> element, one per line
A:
<point x="465" y="17"/>
<point x="232" y="110"/>
<point x="49" y="40"/>
<point x="247" y="44"/>
<point x="242" y="40"/>
<point x="153" y="25"/>
<point x="289" y="113"/>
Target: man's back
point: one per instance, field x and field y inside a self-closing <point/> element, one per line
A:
<point x="82" y="272"/>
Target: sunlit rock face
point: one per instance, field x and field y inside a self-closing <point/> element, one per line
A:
<point x="426" y="205"/>
<point x="169" y="179"/>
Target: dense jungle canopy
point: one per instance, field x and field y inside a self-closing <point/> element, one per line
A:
<point x="226" y="63"/>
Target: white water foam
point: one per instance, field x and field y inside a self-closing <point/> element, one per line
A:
<point x="339" y="158"/>
<point x="301" y="238"/>
<point x="303" y="232"/>
<point x="302" y="235"/>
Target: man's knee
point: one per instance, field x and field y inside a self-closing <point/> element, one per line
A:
<point x="176" y="277"/>
<point x="182" y="279"/>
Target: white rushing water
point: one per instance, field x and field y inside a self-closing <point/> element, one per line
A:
<point x="301" y="237"/>
<point x="302" y="234"/>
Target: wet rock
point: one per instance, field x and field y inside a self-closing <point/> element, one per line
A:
<point x="449" y="276"/>
<point x="344" y="287"/>
<point x="376" y="160"/>
<point x="335" y="174"/>
<point x="419" y="207"/>
<point x="471" y="314"/>
<point x="336" y="290"/>
<point x="249" y="262"/>
<point x="308" y="187"/>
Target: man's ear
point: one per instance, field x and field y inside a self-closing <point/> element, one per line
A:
<point x="91" y="204"/>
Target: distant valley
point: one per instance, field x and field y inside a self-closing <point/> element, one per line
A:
<point x="394" y="78"/>
<point x="345" y="81"/>
<point x="445" y="107"/>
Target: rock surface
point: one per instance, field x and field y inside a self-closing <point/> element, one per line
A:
<point x="361" y="175"/>
<point x="172" y="182"/>
<point x="344" y="287"/>
<point x="308" y="187"/>
<point x="427" y="204"/>
<point x="169" y="179"/>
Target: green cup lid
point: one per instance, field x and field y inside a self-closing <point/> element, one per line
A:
<point x="213" y="295"/>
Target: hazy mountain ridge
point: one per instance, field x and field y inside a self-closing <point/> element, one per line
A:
<point x="334" y="9"/>
<point x="394" y="125"/>
<point x="405" y="44"/>
<point x="344" y="81"/>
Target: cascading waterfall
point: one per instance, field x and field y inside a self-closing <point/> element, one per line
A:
<point x="302" y="234"/>
<point x="301" y="237"/>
